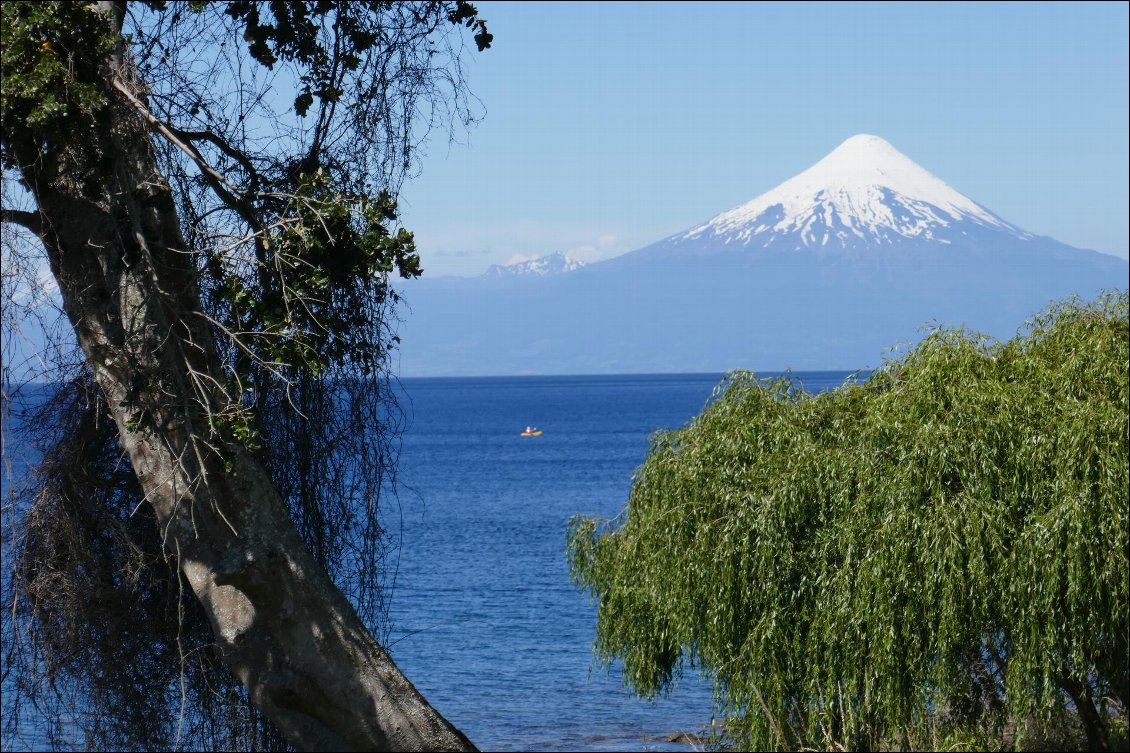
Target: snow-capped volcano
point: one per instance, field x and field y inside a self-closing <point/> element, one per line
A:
<point x="863" y="193"/>
<point x="827" y="270"/>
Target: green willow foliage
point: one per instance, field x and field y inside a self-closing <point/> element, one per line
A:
<point x="941" y="549"/>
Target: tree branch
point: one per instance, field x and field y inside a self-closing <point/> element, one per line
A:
<point x="224" y="188"/>
<point x="223" y="146"/>
<point x="29" y="220"/>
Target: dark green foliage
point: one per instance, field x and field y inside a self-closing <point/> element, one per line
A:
<point x="51" y="96"/>
<point x="466" y="14"/>
<point x="281" y="133"/>
<point x="936" y="556"/>
<point x="337" y="251"/>
<point x="290" y="31"/>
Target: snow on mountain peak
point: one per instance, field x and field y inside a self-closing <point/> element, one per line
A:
<point x="553" y="264"/>
<point x="864" y="190"/>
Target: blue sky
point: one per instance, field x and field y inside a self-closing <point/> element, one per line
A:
<point x="609" y="126"/>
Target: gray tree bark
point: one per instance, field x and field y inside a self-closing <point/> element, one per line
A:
<point x="280" y="623"/>
<point x="1092" y="722"/>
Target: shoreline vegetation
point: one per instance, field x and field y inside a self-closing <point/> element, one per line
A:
<point x="1066" y="734"/>
<point x="934" y="558"/>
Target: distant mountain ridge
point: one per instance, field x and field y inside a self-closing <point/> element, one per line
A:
<point x="553" y="264"/>
<point x="825" y="271"/>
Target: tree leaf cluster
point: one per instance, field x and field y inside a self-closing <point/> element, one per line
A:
<point x="310" y="303"/>
<point x="290" y="32"/>
<point x="937" y="555"/>
<point x="465" y="13"/>
<point x="51" y="97"/>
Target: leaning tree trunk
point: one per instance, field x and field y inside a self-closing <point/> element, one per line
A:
<point x="280" y="623"/>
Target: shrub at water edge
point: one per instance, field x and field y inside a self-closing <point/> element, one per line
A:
<point x="936" y="556"/>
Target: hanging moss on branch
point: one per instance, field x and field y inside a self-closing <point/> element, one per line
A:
<point x="937" y="556"/>
<point x="213" y="188"/>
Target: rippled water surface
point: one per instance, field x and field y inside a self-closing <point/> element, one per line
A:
<point x="486" y="622"/>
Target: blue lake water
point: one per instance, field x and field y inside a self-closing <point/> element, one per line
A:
<point x="485" y="621"/>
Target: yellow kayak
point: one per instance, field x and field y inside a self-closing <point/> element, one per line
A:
<point x="531" y="433"/>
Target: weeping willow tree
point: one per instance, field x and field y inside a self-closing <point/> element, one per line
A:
<point x="937" y="556"/>
<point x="199" y="558"/>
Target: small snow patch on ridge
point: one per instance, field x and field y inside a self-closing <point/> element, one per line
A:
<point x="553" y="264"/>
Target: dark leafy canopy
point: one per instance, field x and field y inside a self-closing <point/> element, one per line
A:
<point x="937" y="551"/>
<point x="265" y="188"/>
<point x="284" y="130"/>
